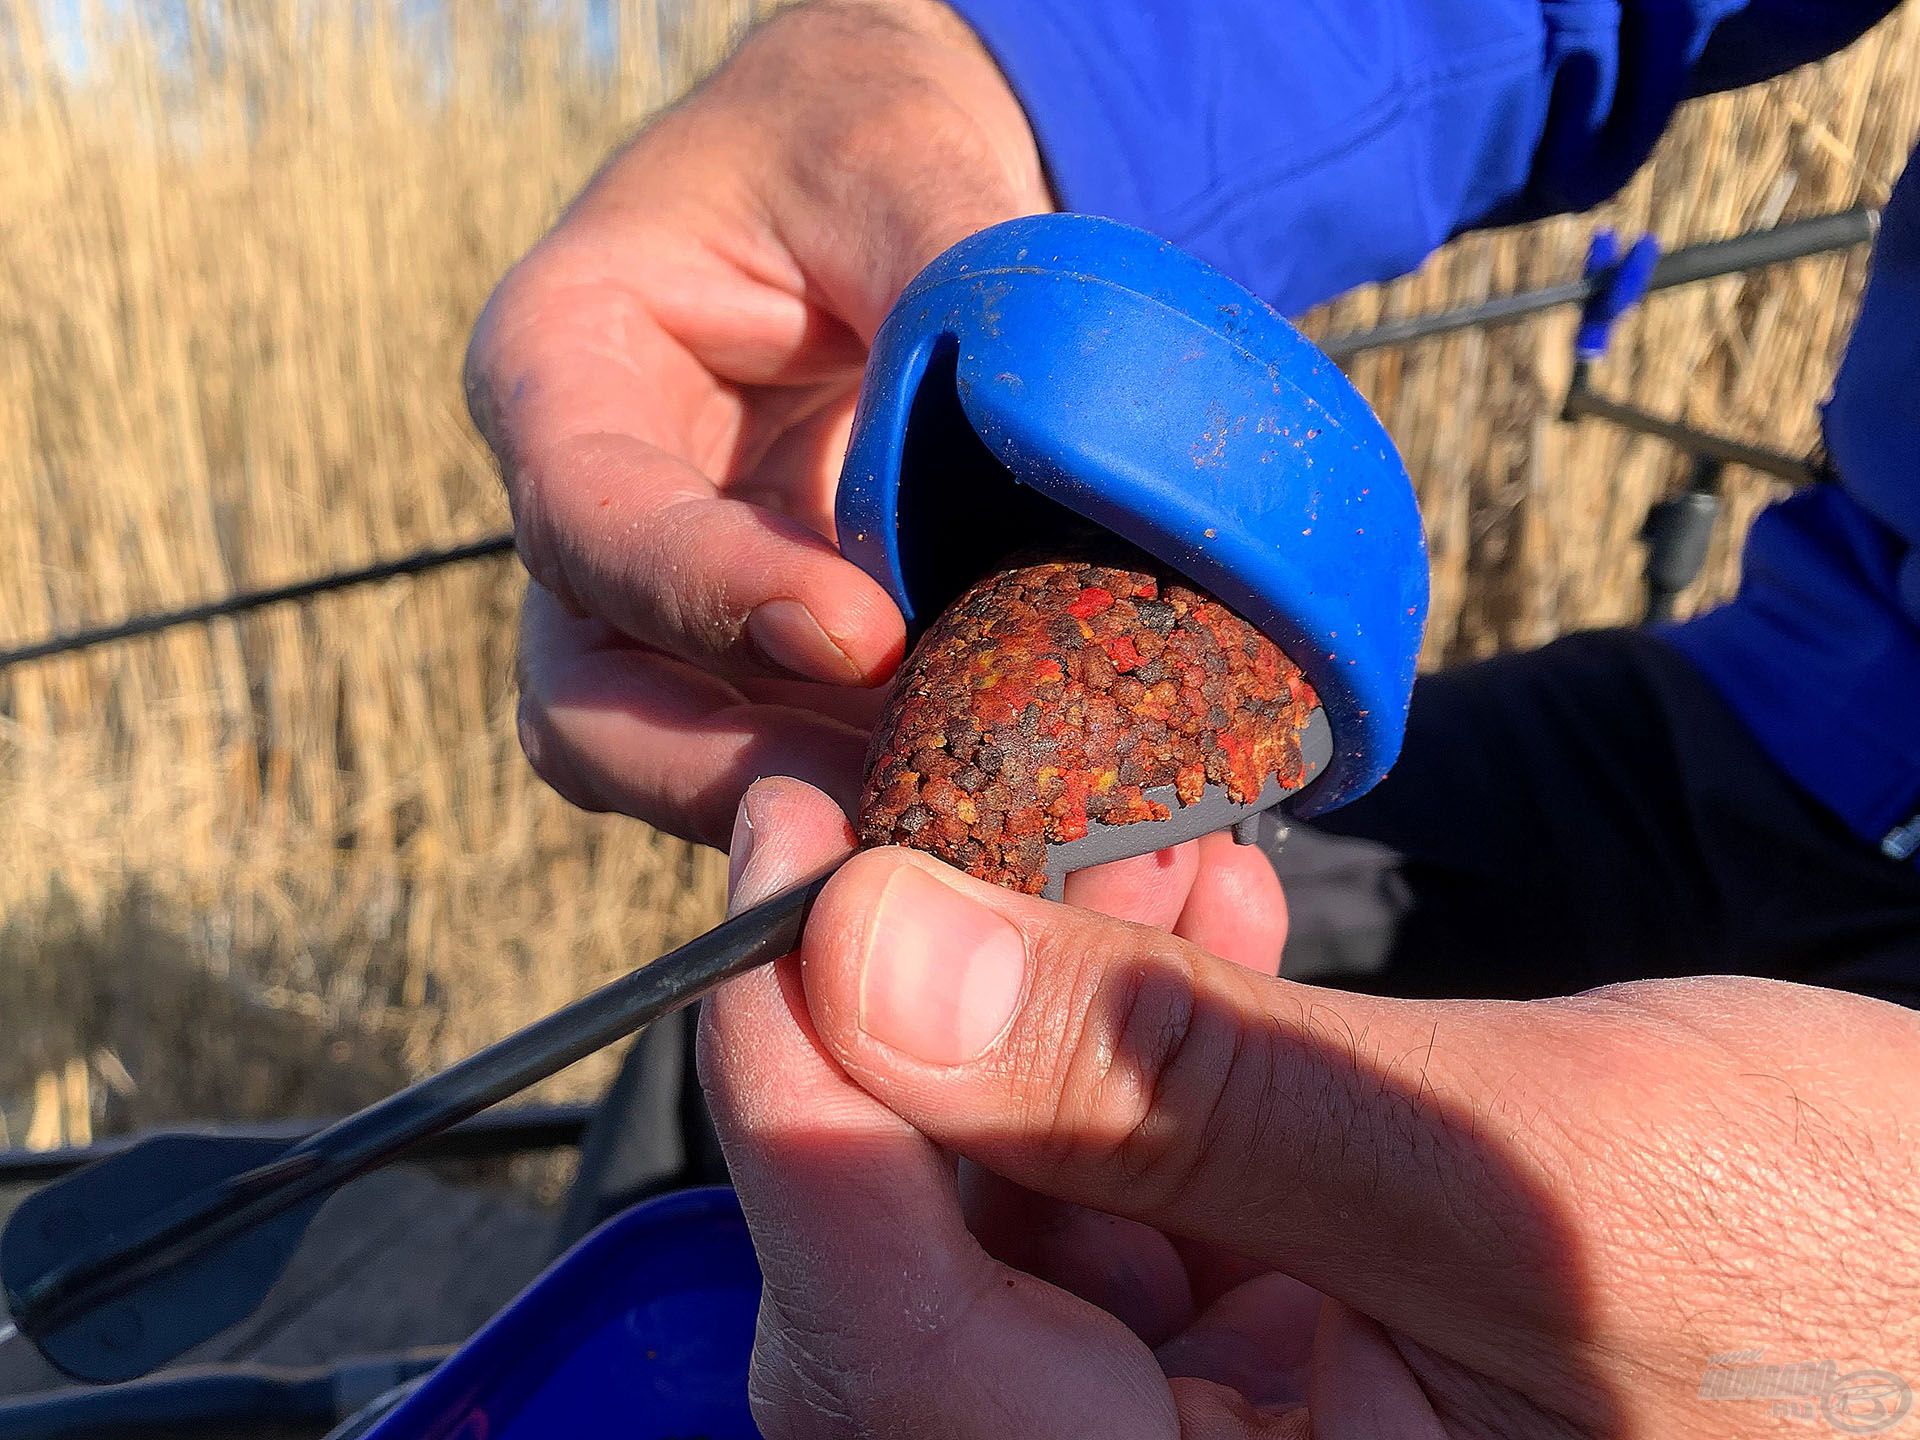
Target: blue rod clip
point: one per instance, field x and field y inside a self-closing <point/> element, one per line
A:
<point x="1621" y="283"/>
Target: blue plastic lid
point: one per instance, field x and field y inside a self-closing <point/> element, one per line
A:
<point x="643" y="1330"/>
<point x="1064" y="366"/>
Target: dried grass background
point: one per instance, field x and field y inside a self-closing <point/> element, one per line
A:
<point x="272" y="866"/>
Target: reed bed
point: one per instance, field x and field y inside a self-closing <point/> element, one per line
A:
<point x="273" y="865"/>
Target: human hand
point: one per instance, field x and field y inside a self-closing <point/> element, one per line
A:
<point x="668" y="379"/>
<point x="1444" y="1218"/>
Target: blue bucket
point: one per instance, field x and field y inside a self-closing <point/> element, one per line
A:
<point x="643" y="1330"/>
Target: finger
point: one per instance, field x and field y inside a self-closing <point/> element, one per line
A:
<point x="782" y="1107"/>
<point x="808" y="1151"/>
<point x="784" y="830"/>
<point x="880" y="1314"/>
<point x="1130" y="1270"/>
<point x="1125" y="1267"/>
<point x="1212" y="1411"/>
<point x="1146" y="889"/>
<point x="615" y="727"/>
<point x="1360" y="1385"/>
<point x="858" y="708"/>
<point x="1340" y="1139"/>
<point x="1236" y="908"/>
<point x="597" y="436"/>
<point x="1256" y="1338"/>
<point x="1222" y="896"/>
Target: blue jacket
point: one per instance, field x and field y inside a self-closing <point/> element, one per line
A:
<point x="1307" y="146"/>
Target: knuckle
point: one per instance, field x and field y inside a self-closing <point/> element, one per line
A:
<point x="1155" y="1078"/>
<point x="536" y="560"/>
<point x="494" y="375"/>
<point x="821" y="1370"/>
<point x="546" y="754"/>
<point x="536" y="536"/>
<point x="703" y="602"/>
<point x="661" y="583"/>
<point x="535" y="742"/>
<point x="487" y="368"/>
<point x="794" y="1389"/>
<point x="681" y="598"/>
<point x="476" y="378"/>
<point x="788" y="1401"/>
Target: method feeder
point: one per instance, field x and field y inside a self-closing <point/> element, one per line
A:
<point x="1058" y="408"/>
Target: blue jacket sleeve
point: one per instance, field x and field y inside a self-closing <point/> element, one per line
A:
<point x="1306" y="146"/>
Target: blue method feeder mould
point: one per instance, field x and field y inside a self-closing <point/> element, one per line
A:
<point x="1062" y="369"/>
<point x="1040" y="375"/>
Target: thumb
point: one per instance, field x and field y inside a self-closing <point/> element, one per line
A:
<point x="1365" y="1146"/>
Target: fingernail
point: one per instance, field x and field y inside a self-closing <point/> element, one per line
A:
<point x="942" y="973"/>
<point x="786" y="635"/>
<point x="739" y="851"/>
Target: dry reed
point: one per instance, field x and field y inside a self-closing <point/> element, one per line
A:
<point x="272" y="865"/>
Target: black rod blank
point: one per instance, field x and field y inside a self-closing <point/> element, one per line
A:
<point x="125" y="1260"/>
<point x="244" y="601"/>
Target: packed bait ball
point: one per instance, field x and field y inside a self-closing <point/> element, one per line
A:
<point x="1052" y="696"/>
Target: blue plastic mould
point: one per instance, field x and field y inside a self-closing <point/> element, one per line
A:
<point x="1062" y="369"/>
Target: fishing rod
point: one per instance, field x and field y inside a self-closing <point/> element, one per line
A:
<point x="1710" y="260"/>
<point x="126" y="1302"/>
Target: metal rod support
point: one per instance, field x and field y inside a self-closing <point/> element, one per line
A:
<point x="224" y="1400"/>
<point x="1583" y="403"/>
<point x="511" y="1130"/>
